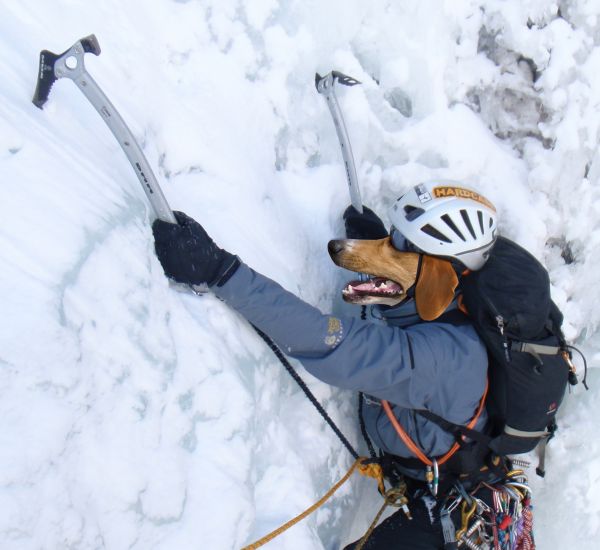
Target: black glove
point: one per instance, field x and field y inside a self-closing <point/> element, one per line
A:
<point x="188" y="255"/>
<point x="363" y="226"/>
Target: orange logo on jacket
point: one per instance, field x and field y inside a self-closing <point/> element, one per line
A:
<point x="442" y="192"/>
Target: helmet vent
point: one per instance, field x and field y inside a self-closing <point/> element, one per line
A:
<point x="412" y="212"/>
<point x="480" y="218"/>
<point x="433" y="232"/>
<point x="467" y="220"/>
<point x="448" y="221"/>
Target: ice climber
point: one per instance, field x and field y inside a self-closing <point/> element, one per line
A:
<point x="416" y="351"/>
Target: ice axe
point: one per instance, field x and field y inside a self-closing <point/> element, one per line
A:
<point x="70" y="64"/>
<point x="326" y="87"/>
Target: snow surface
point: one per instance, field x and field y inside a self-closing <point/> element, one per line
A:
<point x="134" y="416"/>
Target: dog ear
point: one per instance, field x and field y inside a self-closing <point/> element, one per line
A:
<point x="435" y="287"/>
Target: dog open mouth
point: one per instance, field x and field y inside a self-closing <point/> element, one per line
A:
<point x="392" y="275"/>
<point x="390" y="272"/>
<point x="375" y="290"/>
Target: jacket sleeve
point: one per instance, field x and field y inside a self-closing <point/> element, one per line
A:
<point x="345" y="352"/>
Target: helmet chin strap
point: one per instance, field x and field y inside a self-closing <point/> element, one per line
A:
<point x="401" y="315"/>
<point x="410" y="292"/>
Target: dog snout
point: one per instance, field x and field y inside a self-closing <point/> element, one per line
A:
<point x="335" y="247"/>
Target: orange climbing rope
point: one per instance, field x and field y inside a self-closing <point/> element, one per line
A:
<point x="361" y="464"/>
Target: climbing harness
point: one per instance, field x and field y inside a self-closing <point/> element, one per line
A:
<point x="432" y="474"/>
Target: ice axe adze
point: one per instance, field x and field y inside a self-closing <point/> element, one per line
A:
<point x="326" y="86"/>
<point x="69" y="64"/>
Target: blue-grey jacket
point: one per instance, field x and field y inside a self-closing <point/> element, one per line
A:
<point x="436" y="366"/>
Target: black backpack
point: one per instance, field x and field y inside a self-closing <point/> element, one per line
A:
<point x="508" y="301"/>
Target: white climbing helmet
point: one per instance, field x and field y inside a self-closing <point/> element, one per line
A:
<point x="444" y="218"/>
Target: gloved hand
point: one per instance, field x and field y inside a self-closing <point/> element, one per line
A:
<point x="188" y="255"/>
<point x="363" y="226"/>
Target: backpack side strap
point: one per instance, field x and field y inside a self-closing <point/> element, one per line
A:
<point x="535" y="349"/>
<point x="458" y="430"/>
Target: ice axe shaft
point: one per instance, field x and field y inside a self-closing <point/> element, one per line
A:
<point x="70" y="64"/>
<point x="326" y="87"/>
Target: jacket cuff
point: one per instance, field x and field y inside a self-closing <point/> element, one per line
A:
<point x="227" y="272"/>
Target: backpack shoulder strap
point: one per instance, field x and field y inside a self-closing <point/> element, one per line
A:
<point x="453" y="317"/>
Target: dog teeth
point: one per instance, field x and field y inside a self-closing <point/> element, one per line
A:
<point x="384" y="285"/>
<point x="379" y="286"/>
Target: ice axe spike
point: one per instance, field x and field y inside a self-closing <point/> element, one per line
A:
<point x="326" y="86"/>
<point x="69" y="64"/>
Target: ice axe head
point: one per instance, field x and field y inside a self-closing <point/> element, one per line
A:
<point x="67" y="64"/>
<point x="325" y="83"/>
